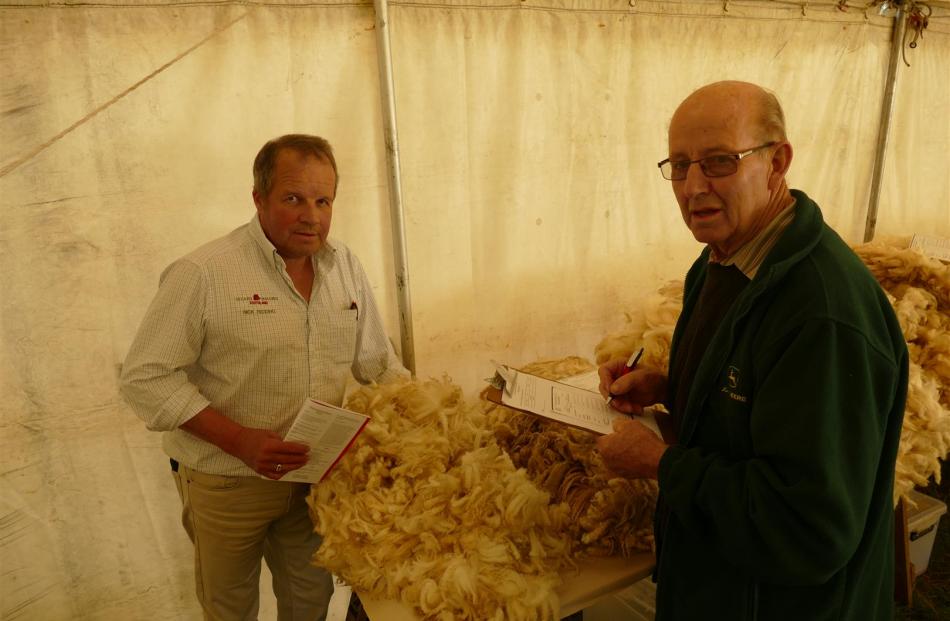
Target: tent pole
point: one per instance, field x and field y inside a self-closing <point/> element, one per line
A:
<point x="388" y="100"/>
<point x="887" y="110"/>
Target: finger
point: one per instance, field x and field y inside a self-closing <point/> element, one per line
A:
<point x="270" y="473"/>
<point x="296" y="447"/>
<point x="285" y="452"/>
<point x="606" y="379"/>
<point x="625" y="406"/>
<point x="277" y="470"/>
<point x="275" y="444"/>
<point x="288" y="459"/>
<point x="622" y="385"/>
<point x="291" y="452"/>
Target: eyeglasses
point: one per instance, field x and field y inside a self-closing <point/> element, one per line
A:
<point x="721" y="165"/>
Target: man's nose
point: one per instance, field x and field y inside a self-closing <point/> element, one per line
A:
<point x="696" y="181"/>
<point x="310" y="212"/>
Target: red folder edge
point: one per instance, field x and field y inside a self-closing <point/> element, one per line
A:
<point x="344" y="451"/>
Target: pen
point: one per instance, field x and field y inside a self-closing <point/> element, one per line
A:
<point x="630" y="366"/>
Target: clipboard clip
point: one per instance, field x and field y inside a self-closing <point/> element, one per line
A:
<point x="504" y="378"/>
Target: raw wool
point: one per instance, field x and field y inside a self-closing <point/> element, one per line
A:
<point x="650" y="327"/>
<point x="608" y="515"/>
<point x="426" y="508"/>
<point x="919" y="289"/>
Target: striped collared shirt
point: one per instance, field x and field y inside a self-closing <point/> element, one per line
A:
<point x="748" y="259"/>
<point x="228" y="328"/>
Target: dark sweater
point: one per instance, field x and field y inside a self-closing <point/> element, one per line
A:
<point x="780" y="488"/>
<point x="722" y="285"/>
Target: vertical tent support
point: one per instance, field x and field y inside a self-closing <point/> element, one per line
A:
<point x="384" y="56"/>
<point x="884" y="130"/>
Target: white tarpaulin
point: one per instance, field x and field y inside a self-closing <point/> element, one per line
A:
<point x="535" y="215"/>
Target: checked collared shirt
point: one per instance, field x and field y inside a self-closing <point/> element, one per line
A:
<point x="228" y="329"/>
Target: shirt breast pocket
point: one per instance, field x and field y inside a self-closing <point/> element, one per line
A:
<point x="340" y="335"/>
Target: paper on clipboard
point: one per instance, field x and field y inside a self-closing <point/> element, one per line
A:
<point x="329" y="431"/>
<point x="567" y="404"/>
<point x="573" y="401"/>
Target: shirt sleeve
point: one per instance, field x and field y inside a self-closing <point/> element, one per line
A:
<point x="375" y="360"/>
<point x="794" y="512"/>
<point x="154" y="380"/>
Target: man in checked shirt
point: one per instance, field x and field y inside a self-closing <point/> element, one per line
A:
<point x="241" y="332"/>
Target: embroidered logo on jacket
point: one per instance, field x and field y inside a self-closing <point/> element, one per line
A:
<point x="732" y="383"/>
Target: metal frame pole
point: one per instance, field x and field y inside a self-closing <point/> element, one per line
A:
<point x="388" y="100"/>
<point x="887" y="110"/>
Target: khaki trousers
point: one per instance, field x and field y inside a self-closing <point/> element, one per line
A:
<point x="233" y="522"/>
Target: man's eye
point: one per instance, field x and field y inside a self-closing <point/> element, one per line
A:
<point x="291" y="199"/>
<point x="720" y="160"/>
<point x="680" y="165"/>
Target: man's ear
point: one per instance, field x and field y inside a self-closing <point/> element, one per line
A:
<point x="258" y="202"/>
<point x="781" y="160"/>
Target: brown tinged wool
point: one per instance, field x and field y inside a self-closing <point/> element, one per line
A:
<point x="919" y="290"/>
<point x="609" y="515"/>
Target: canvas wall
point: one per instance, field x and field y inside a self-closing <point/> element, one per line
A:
<point x="529" y="133"/>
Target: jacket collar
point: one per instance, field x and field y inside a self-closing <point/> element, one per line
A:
<point x="796" y="243"/>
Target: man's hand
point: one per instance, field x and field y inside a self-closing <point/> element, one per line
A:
<point x="632" y="391"/>
<point x="632" y="451"/>
<point x="264" y="452"/>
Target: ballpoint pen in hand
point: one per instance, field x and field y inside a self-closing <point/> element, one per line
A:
<point x="630" y="366"/>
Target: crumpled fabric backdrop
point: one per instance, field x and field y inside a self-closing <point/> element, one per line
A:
<point x="535" y="215"/>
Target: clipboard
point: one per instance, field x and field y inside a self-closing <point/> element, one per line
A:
<point x="603" y="414"/>
<point x="550" y="400"/>
<point x="495" y="396"/>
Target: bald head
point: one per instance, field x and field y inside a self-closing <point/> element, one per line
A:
<point x="727" y="141"/>
<point x="742" y="102"/>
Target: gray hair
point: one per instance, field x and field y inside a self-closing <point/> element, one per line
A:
<point x="771" y="118"/>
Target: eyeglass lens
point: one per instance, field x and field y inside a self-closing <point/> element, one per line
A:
<point x="712" y="166"/>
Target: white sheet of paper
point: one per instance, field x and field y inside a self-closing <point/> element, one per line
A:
<point x="561" y="402"/>
<point x="328" y="431"/>
<point x="594" y="415"/>
<point x="931" y="246"/>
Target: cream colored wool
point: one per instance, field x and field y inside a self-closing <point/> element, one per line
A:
<point x="650" y="327"/>
<point x="427" y="509"/>
<point x="608" y="515"/>
<point x="919" y="289"/>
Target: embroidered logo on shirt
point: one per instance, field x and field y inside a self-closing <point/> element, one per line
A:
<point x="257" y="300"/>
<point x="732" y="381"/>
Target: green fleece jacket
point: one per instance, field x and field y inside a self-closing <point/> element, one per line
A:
<point x="780" y="488"/>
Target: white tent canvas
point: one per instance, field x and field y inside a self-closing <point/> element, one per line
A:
<point x="534" y="213"/>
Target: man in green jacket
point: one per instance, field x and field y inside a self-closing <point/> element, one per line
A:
<point x="786" y="390"/>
